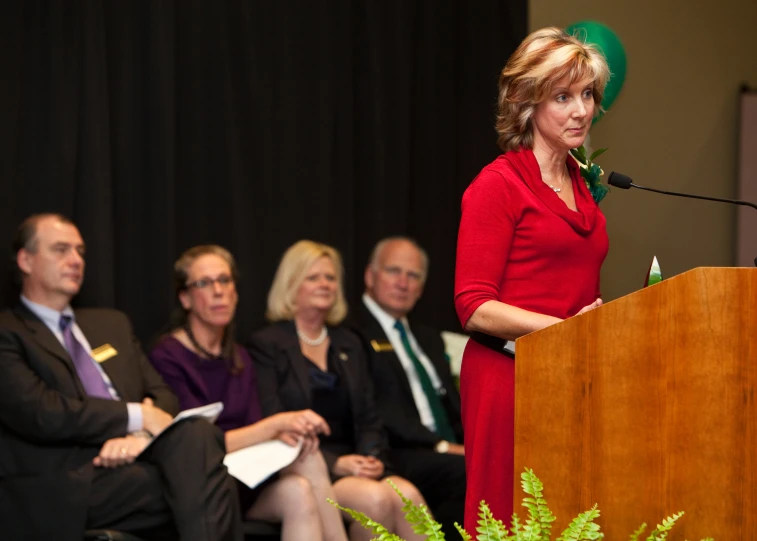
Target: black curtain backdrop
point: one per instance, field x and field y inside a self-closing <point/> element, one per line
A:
<point x="158" y="125"/>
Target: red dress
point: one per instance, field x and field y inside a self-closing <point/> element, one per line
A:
<point x="519" y="244"/>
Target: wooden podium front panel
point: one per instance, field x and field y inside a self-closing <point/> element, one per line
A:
<point x="646" y="407"/>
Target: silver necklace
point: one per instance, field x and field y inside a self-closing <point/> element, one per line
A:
<point x="556" y="189"/>
<point x="314" y="341"/>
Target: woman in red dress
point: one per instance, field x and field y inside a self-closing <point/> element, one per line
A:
<point x="530" y="246"/>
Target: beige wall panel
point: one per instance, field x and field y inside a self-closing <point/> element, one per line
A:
<point x="747" y="217"/>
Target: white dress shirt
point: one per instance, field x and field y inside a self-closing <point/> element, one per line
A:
<point x="419" y="396"/>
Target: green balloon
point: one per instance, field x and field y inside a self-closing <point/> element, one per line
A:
<point x="608" y="42"/>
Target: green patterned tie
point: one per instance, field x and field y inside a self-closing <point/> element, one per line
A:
<point x="443" y="428"/>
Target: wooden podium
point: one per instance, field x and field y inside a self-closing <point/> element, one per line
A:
<point x="646" y="407"/>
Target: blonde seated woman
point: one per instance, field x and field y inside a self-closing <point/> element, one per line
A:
<point x="305" y="360"/>
<point x="201" y="362"/>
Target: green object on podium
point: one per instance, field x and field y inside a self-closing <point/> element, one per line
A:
<point x="654" y="274"/>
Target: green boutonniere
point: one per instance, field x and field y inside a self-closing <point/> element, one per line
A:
<point x="591" y="172"/>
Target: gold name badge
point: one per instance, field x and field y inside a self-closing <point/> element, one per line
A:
<point x="103" y="353"/>
<point x="381" y="345"/>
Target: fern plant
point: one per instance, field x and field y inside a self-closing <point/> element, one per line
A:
<point x="537" y="527"/>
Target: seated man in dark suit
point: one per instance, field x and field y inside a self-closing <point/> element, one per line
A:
<point x="415" y="393"/>
<point x="79" y="402"/>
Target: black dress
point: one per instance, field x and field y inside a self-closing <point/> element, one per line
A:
<point x="343" y="394"/>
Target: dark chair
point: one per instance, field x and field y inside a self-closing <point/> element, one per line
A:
<point x="254" y="530"/>
<point x="257" y="530"/>
<point x="165" y="532"/>
<point x="109" y="535"/>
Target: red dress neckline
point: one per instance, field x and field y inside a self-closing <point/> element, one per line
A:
<point x="582" y="219"/>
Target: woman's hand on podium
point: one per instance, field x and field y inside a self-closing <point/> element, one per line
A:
<point x="596" y="304"/>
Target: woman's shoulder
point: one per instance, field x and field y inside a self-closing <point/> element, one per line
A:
<point x="502" y="172"/>
<point x="243" y="353"/>
<point x="169" y="355"/>
<point x="279" y="332"/>
<point x="345" y="336"/>
<point x="167" y="346"/>
<point x="499" y="187"/>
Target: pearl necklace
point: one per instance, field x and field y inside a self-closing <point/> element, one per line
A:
<point x="314" y="341"/>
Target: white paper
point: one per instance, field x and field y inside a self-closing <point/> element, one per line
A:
<point x="209" y="412"/>
<point x="256" y="463"/>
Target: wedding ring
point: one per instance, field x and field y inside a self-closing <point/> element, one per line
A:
<point x="123" y="450"/>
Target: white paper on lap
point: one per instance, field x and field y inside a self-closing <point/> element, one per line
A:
<point x="209" y="412"/>
<point x="256" y="463"/>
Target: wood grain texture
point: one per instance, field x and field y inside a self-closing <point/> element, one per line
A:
<point x="646" y="407"/>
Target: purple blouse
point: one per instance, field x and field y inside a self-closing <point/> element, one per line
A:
<point x="198" y="381"/>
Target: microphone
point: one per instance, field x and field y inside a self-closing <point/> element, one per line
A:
<point x="619" y="180"/>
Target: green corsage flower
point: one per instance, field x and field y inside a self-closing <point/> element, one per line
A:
<point x="591" y="172"/>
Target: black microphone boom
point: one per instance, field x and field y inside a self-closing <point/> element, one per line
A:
<point x="624" y="182"/>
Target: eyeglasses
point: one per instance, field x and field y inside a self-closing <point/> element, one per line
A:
<point x="224" y="280"/>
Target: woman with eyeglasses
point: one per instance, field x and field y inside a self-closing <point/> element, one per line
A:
<point x="200" y="360"/>
<point x="306" y="359"/>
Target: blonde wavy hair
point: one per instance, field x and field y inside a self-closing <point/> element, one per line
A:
<point x="294" y="267"/>
<point x="542" y="59"/>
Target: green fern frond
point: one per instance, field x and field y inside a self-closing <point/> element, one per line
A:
<point x="465" y="535"/>
<point x="583" y="527"/>
<point x="539" y="513"/>
<point x="661" y="532"/>
<point x="368" y="523"/>
<point x="635" y="535"/>
<point x="531" y="532"/>
<point x="516" y="528"/>
<point x="419" y="517"/>
<point x="489" y="528"/>
<point x="537" y="527"/>
<point x="597" y="153"/>
<point x="579" y="153"/>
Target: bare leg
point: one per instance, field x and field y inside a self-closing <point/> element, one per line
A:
<point x="314" y="469"/>
<point x="377" y="500"/>
<point x="291" y="501"/>
<point x="366" y="496"/>
<point x="409" y="490"/>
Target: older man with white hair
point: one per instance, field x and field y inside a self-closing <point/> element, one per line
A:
<point x="415" y="392"/>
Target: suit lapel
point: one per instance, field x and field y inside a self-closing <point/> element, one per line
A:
<point x="48" y="341"/>
<point x="297" y="360"/>
<point x="300" y="363"/>
<point x="373" y="330"/>
<point x="42" y="335"/>
<point x="90" y="331"/>
<point x="345" y="365"/>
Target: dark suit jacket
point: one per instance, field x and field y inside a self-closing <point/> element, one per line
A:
<point x="284" y="382"/>
<point x="393" y="395"/>
<point x="50" y="430"/>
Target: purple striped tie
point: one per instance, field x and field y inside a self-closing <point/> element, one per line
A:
<point x="90" y="376"/>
